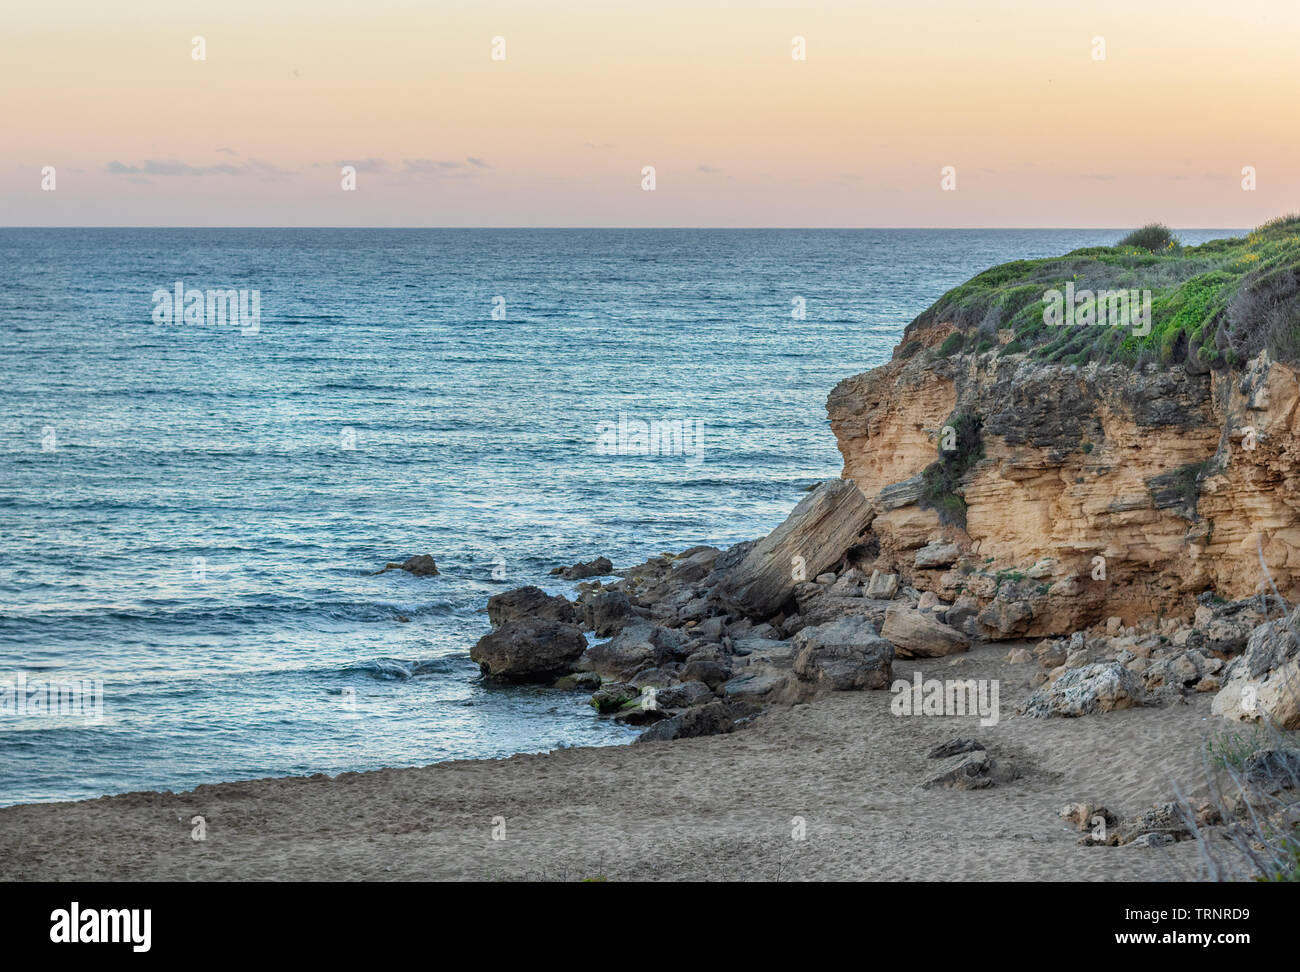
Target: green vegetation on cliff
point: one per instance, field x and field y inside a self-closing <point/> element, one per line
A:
<point x="1213" y="305"/>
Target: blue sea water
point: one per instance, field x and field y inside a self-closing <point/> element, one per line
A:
<point x="382" y="411"/>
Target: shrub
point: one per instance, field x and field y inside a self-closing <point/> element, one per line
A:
<point x="1153" y="237"/>
<point x="952" y="344"/>
<point x="942" y="478"/>
<point x="1265" y="313"/>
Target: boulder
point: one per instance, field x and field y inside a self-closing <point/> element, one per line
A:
<point x="822" y="608"/>
<point x="528" y="602"/>
<point x="849" y="584"/>
<point x="915" y="634"/>
<point x="711" y="629"/>
<point x="638" y="646"/>
<point x="936" y="553"/>
<point x="612" y="696"/>
<point x="1180" y="671"/>
<point x="962" y="613"/>
<point x="882" y="586"/>
<point x="954" y="747"/>
<point x="967" y="771"/>
<point x="813" y="538"/>
<point x="1084" y="816"/>
<point x="421" y="565"/>
<point x="1264" y="680"/>
<point x="529" y="650"/>
<point x="1165" y="820"/>
<point x="701" y="720"/>
<point x="707" y="671"/>
<point x="1006" y="617"/>
<point x="683" y="696"/>
<point x="757" y="683"/>
<point x="599" y="567"/>
<point x="844" y="655"/>
<point x="578" y="681"/>
<point x="655" y="677"/>
<point x="693" y="565"/>
<point x="604" y="613"/>
<point x="1101" y="687"/>
<point x="640" y="713"/>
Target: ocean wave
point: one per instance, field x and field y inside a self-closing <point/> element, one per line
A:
<point x="331" y="610"/>
<point x="390" y="669"/>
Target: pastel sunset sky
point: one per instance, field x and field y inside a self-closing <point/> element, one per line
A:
<point x="740" y="133"/>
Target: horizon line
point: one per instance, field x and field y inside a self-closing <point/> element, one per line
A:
<point x="848" y="229"/>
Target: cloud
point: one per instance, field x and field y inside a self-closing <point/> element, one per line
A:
<point x="709" y="169"/>
<point x="267" y="171"/>
<point x="366" y="165"/>
<point x="227" y="151"/>
<point x="256" y="168"/>
<point x="153" y="167"/>
<point x="425" y="166"/>
<point x="477" y="163"/>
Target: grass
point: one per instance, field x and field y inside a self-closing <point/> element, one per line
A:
<point x="1231" y="747"/>
<point x="1214" y="306"/>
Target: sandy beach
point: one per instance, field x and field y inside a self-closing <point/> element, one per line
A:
<point x="704" y="809"/>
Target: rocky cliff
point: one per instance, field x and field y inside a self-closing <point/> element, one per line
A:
<point x="1059" y="495"/>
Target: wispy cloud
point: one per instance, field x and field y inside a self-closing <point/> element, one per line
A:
<point x="153" y="167"/>
<point x="255" y="168"/>
<point x="419" y="166"/>
<point x="365" y="165"/>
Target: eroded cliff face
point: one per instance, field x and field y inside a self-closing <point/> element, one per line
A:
<point x="1099" y="490"/>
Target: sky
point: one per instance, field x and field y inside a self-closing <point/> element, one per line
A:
<point x="1037" y="129"/>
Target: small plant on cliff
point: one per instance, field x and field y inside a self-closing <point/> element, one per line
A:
<point x="952" y="344"/>
<point x="1153" y="237"/>
<point x="960" y="448"/>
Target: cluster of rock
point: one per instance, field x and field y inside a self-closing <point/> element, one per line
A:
<point x="1155" y="826"/>
<point x="1226" y="647"/>
<point x="805" y="611"/>
<point x="696" y="643"/>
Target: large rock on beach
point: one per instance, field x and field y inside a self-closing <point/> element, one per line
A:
<point x="1100" y="687"/>
<point x="813" y="538"/>
<point x="703" y="720"/>
<point x="918" y="634"/>
<point x="529" y="650"/>
<point x="636" y="647"/>
<point x="844" y="655"/>
<point x="528" y="602"/>
<point x="1264" y="682"/>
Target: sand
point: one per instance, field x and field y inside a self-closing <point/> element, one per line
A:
<point x="717" y="808"/>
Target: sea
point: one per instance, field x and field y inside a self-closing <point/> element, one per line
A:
<point x="193" y="509"/>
